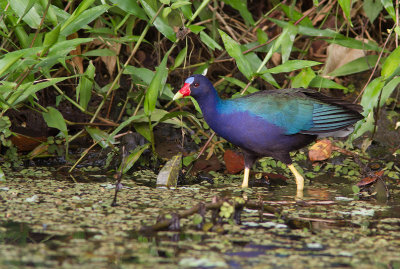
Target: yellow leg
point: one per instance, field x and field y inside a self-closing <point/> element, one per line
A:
<point x="299" y="180"/>
<point x="245" y="183"/>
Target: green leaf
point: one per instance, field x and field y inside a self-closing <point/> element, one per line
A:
<point x="29" y="89"/>
<point x="391" y="63"/>
<point x="234" y="51"/>
<point x="321" y="82"/>
<point x="196" y="28"/>
<point x="372" y="8"/>
<point x="100" y="136"/>
<point x="355" y="44"/>
<point x="143" y="75"/>
<point x="241" y="84"/>
<point x="84" y="89"/>
<point x="134" y="118"/>
<point x="11" y="58"/>
<point x="156" y="83"/>
<point x="310" y="31"/>
<point x="303" y="79"/>
<point x="180" y="58"/>
<point x="83" y="6"/>
<point x="241" y="6"/>
<point x="255" y="63"/>
<point x="206" y="39"/>
<point x="295" y="15"/>
<point x="159" y="23"/>
<point x="371" y="94"/>
<point x="132" y="158"/>
<point x="54" y="119"/>
<point x="131" y="7"/>
<point x="83" y="19"/>
<point x="346" y="7"/>
<point x="179" y="4"/>
<point x="388" y="89"/>
<point x="292" y="65"/>
<point x="51" y="37"/>
<point x="143" y="129"/>
<point x="287" y="42"/>
<point x="26" y="11"/>
<point x="355" y="66"/>
<point x="169" y="174"/>
<point x="388" y="4"/>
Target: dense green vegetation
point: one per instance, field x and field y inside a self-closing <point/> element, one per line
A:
<point x="94" y="68"/>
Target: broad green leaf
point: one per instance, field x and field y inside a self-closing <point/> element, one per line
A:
<point x="354" y="44"/>
<point x="356" y="66"/>
<point x="83" y="6"/>
<point x="294" y="15"/>
<point x="303" y="79"/>
<point x="363" y="126"/>
<point x="84" y="89"/>
<point x="180" y="58"/>
<point x="83" y="19"/>
<point x="100" y="136"/>
<point x="159" y="23"/>
<point x="346" y="7"/>
<point x="51" y="14"/>
<point x="372" y="8"/>
<point x="292" y="65"/>
<point x="140" y="74"/>
<point x="143" y="129"/>
<point x="179" y="4"/>
<point x="371" y="94"/>
<point x="131" y="7"/>
<point x="287" y="42"/>
<point x="131" y="119"/>
<point x="132" y="158"/>
<point x="321" y="82"/>
<point x="54" y="119"/>
<point x="388" y="90"/>
<point x="196" y="28"/>
<point x="27" y="11"/>
<point x="234" y="51"/>
<point x="59" y="50"/>
<point x="10" y="59"/>
<point x="241" y="84"/>
<point x="388" y="4"/>
<point x="262" y="37"/>
<point x="51" y="37"/>
<point x="391" y="63"/>
<point x="187" y="11"/>
<point x="303" y="30"/>
<point x="168" y="176"/>
<point x="29" y="89"/>
<point x="156" y="84"/>
<point x="206" y="39"/>
<point x="255" y="63"/>
<point x="241" y="6"/>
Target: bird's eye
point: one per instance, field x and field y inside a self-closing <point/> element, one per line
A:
<point x="196" y="85"/>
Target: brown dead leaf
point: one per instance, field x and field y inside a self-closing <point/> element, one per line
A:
<point x="338" y="55"/>
<point x="320" y="151"/>
<point x="76" y="62"/>
<point x="370" y="179"/>
<point x="234" y="162"/>
<point x="111" y="61"/>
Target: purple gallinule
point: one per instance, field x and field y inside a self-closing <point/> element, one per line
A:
<point x="272" y="123"/>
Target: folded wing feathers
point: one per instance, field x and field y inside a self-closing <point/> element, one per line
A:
<point x="332" y="114"/>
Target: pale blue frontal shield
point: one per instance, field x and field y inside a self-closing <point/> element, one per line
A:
<point x="189" y="80"/>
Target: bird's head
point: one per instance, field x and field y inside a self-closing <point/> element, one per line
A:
<point x="196" y="86"/>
